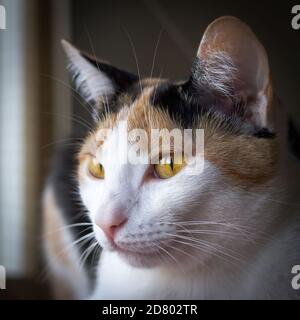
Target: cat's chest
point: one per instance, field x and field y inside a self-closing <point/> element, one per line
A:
<point x="118" y="280"/>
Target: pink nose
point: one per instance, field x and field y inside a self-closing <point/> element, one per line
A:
<point x="110" y="224"/>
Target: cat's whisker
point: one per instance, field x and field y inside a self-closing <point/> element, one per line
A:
<point x="47" y="269"/>
<point x="246" y="229"/>
<point x="74" y="93"/>
<point x="192" y="245"/>
<point x="135" y="57"/>
<point x="106" y="102"/>
<point x="155" y="53"/>
<point x="211" y="232"/>
<point x="206" y="251"/>
<point x="240" y="235"/>
<point x="156" y="87"/>
<point x="273" y="199"/>
<point x="222" y="248"/>
<point x="237" y="231"/>
<point x="212" y="223"/>
<point x="84" y="256"/>
<point x="82" y="213"/>
<point x="279" y="194"/>
<point x="181" y="251"/>
<point x="106" y="106"/>
<point x="171" y="256"/>
<point x="96" y="253"/>
<point x="78" y="242"/>
<point x="216" y="247"/>
<point x="80" y="102"/>
<point x="73" y="118"/>
<point x="65" y="142"/>
<point x="75" y="225"/>
<point x="180" y="226"/>
<point x="92" y="47"/>
<point x="163" y="258"/>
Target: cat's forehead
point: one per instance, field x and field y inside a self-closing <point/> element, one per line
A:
<point x="139" y="107"/>
<point x="159" y="103"/>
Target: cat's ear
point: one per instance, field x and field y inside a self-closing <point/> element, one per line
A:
<point x="94" y="79"/>
<point x="232" y="67"/>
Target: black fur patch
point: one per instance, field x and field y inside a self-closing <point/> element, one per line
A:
<point x="64" y="183"/>
<point x="180" y="102"/>
<point x="122" y="79"/>
<point x="185" y="103"/>
<point x="264" y="133"/>
<point x="294" y="139"/>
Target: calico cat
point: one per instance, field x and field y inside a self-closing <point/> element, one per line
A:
<point x="151" y="231"/>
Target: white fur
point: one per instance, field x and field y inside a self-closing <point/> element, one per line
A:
<point x="218" y="72"/>
<point x="89" y="80"/>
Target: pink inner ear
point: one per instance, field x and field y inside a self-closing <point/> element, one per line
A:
<point x="225" y="106"/>
<point x="242" y="53"/>
<point x="234" y="65"/>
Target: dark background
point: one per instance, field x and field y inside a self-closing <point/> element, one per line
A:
<point x="110" y="26"/>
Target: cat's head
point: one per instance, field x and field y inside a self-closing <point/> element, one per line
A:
<point x="158" y="214"/>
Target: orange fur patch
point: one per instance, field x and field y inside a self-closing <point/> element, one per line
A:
<point x="245" y="160"/>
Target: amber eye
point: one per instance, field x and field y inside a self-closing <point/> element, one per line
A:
<point x="96" y="169"/>
<point x="168" y="167"/>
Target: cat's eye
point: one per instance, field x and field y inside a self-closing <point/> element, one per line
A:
<point x="96" y="169"/>
<point x="168" y="167"/>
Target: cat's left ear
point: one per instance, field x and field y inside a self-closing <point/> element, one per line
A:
<point x="232" y="69"/>
<point x="95" y="80"/>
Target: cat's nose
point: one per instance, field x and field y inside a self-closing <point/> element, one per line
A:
<point x="112" y="222"/>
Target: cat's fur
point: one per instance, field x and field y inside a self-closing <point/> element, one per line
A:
<point x="231" y="231"/>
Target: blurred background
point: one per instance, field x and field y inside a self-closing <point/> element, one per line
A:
<point x="38" y="109"/>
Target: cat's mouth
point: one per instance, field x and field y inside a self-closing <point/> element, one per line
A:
<point x="147" y="248"/>
<point x="148" y="251"/>
<point x="142" y="255"/>
<point x="148" y="258"/>
<point x="137" y="249"/>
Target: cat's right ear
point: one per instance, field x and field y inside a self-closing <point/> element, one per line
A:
<point x="95" y="80"/>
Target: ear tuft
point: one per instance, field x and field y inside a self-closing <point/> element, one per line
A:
<point x="89" y="80"/>
<point x="232" y="66"/>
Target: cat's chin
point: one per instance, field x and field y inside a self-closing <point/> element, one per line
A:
<point x="138" y="259"/>
<point x="147" y="257"/>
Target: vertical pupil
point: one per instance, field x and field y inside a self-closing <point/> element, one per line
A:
<point x="172" y="164"/>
